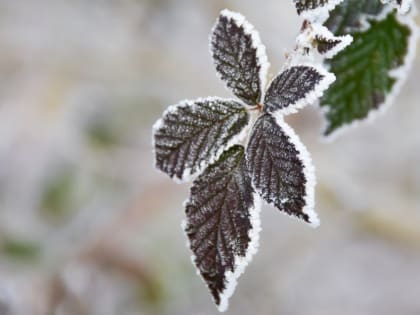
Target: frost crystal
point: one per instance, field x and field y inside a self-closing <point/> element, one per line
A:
<point x="318" y="37"/>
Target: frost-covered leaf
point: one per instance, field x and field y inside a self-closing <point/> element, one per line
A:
<point x="329" y="46"/>
<point x="315" y="36"/>
<point x="296" y="87"/>
<point x="223" y="223"/>
<point x="351" y="15"/>
<point x="403" y="6"/>
<point x="304" y="6"/>
<point x="239" y="56"/>
<point x="281" y="168"/>
<point x="366" y="70"/>
<point x="193" y="133"/>
<point x="325" y="44"/>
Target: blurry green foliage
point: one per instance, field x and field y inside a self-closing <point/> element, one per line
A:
<point x="102" y="134"/>
<point x="152" y="293"/>
<point x="20" y="250"/>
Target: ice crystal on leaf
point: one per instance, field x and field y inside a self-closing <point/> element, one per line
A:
<point x="314" y="9"/>
<point x="316" y="37"/>
<point x="207" y="138"/>
<point x="403" y="6"/>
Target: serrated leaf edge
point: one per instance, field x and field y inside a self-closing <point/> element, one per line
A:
<point x="365" y="17"/>
<point x="404" y="8"/>
<point x="257" y="44"/>
<point x="320" y="14"/>
<point x="187" y="176"/>
<point x="400" y="74"/>
<point x="308" y="170"/>
<point x="240" y="262"/>
<point x="306" y="38"/>
<point x="312" y="96"/>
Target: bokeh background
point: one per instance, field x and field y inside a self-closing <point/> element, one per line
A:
<point x="88" y="227"/>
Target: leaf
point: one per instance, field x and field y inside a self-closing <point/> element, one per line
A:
<point x="193" y="133"/>
<point x="403" y="6"/>
<point x="329" y="45"/>
<point x="239" y="56"/>
<point x="350" y="16"/>
<point x="315" y="36"/>
<point x="222" y="223"/>
<point x="313" y="5"/>
<point x="295" y="88"/>
<point x="281" y="168"/>
<point x="364" y="78"/>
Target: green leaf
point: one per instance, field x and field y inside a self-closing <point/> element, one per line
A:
<point x="350" y="15"/>
<point x="364" y="82"/>
<point x="403" y="6"/>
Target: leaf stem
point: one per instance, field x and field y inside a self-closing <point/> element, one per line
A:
<point x="258" y="107"/>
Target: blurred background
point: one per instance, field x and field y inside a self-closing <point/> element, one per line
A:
<point x="88" y="227"/>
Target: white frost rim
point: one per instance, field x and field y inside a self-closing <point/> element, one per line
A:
<point x="402" y="8"/>
<point x="308" y="171"/>
<point x="257" y="44"/>
<point x="400" y="74"/>
<point x="312" y="96"/>
<point x="308" y="37"/>
<point x="321" y="13"/>
<point x="188" y="175"/>
<point x="242" y="262"/>
<point x="231" y="278"/>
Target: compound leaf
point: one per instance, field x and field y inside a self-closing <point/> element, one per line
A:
<point x="363" y="70"/>
<point x="296" y="87"/>
<point x="239" y="56"/>
<point x="192" y="134"/>
<point x="222" y="223"/>
<point x="281" y="168"/>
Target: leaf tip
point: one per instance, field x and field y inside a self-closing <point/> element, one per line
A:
<point x="313" y="220"/>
